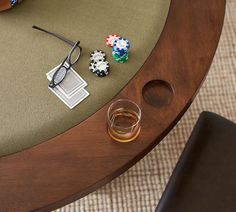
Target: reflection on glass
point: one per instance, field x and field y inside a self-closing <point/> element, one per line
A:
<point x="123" y="120"/>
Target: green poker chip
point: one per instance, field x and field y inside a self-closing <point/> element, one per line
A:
<point x="116" y="56"/>
<point x="122" y="59"/>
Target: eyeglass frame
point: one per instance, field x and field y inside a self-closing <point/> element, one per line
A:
<point x="67" y="60"/>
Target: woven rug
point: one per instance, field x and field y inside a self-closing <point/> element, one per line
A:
<point x="140" y="188"/>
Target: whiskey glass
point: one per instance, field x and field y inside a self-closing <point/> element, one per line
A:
<point x="123" y="120"/>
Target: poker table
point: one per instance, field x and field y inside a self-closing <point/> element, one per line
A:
<point x="51" y="155"/>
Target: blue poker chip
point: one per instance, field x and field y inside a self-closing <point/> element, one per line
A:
<point x="121" y="44"/>
<point x="119" y="52"/>
<point x="13" y="2"/>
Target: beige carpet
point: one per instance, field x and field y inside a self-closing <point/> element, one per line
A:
<point x="140" y="188"/>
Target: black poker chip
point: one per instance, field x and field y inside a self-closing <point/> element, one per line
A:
<point x="100" y="68"/>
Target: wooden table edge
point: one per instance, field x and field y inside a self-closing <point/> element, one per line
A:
<point x="123" y="168"/>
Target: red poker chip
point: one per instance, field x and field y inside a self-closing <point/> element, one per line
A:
<point x="111" y="38"/>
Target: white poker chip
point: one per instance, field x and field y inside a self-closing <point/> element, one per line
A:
<point x="92" y="66"/>
<point x="97" y="55"/>
<point x="110" y="39"/>
<point x="99" y="68"/>
<point x="121" y="44"/>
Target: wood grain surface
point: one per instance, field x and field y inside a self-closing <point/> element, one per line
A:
<point x="5" y="4"/>
<point x="84" y="158"/>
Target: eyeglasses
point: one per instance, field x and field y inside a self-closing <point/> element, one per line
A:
<point x="54" y="34"/>
<point x="62" y="70"/>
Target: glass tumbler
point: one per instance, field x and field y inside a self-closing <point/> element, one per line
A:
<point x="123" y="120"/>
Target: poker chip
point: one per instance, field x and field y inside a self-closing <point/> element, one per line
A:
<point x="122" y="59"/>
<point x="119" y="53"/>
<point x="13" y="2"/>
<point x="120" y="50"/>
<point x="115" y="56"/>
<point x="92" y="66"/>
<point x="120" y="47"/>
<point x="99" y="68"/>
<point x="110" y="39"/>
<point x="97" y="55"/>
<point x="121" y="44"/>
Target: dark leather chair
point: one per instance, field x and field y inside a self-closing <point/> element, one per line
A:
<point x="204" y="179"/>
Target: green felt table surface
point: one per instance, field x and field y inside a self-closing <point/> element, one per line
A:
<point x="29" y="112"/>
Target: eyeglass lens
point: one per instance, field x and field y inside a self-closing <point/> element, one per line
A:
<point x="75" y="56"/>
<point x="60" y="75"/>
<point x="71" y="59"/>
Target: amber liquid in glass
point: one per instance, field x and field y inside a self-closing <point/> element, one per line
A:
<point x="124" y="127"/>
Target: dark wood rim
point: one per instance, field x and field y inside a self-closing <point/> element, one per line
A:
<point x="5" y="4"/>
<point x="84" y="158"/>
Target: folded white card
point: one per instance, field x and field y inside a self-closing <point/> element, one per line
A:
<point x="71" y="91"/>
<point x="72" y="83"/>
<point x="71" y="102"/>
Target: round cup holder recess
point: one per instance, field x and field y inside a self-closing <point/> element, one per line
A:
<point x="158" y="93"/>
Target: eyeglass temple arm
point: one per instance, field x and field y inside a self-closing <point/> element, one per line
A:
<point x="55" y="35"/>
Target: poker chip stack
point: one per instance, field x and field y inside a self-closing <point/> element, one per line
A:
<point x="98" y="65"/>
<point x="120" y="47"/>
<point x="120" y="50"/>
<point x="14" y="2"/>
